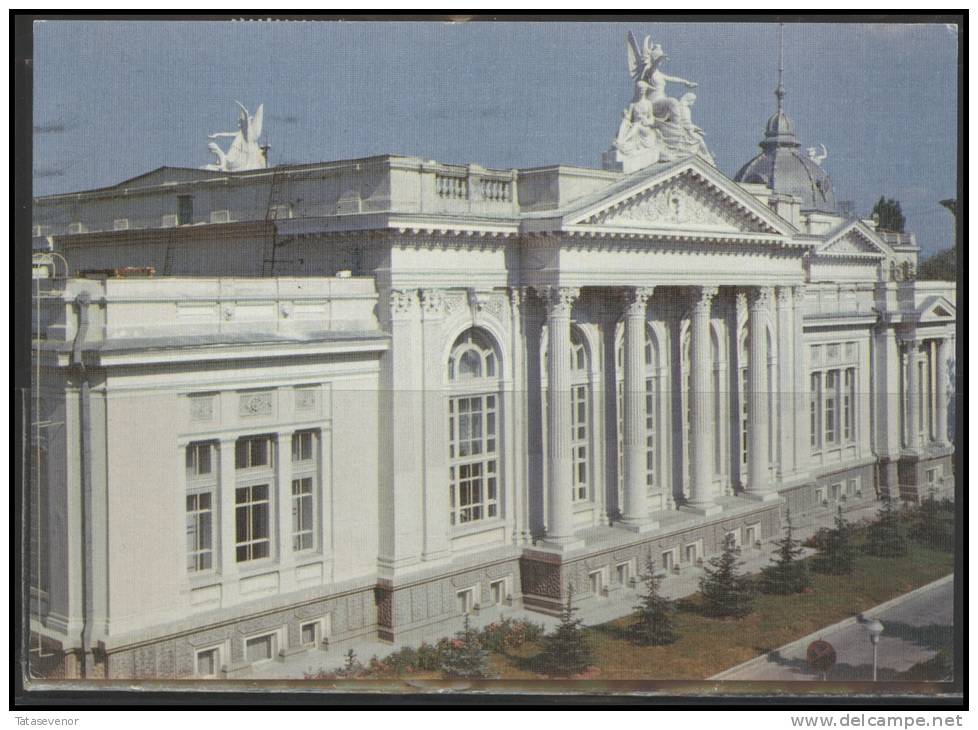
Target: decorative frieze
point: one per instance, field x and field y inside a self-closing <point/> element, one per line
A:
<point x="255" y="404"/>
<point x="487" y="302"/>
<point x="684" y="200"/>
<point x="202" y="408"/>
<point x="307" y="400"/>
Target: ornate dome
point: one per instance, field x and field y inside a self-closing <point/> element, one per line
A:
<point x="784" y="167"/>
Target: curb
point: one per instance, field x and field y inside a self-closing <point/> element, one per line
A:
<point x="841" y="624"/>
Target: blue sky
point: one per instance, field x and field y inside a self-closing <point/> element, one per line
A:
<point x="114" y="100"/>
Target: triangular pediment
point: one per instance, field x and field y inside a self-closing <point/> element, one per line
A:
<point x="688" y="196"/>
<point x="854" y="238"/>
<point x="938" y="309"/>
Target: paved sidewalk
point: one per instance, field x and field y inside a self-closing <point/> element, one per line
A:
<point x="915" y="626"/>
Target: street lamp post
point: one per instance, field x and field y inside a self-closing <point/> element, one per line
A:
<point x="875" y="629"/>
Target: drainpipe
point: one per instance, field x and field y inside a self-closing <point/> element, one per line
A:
<point x="84" y="418"/>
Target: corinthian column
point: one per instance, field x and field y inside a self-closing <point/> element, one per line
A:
<point x="786" y="421"/>
<point x="560" y="520"/>
<point x="636" y="507"/>
<point x="942" y="387"/>
<point x="913" y="397"/>
<point x="758" y="480"/>
<point x="701" y="405"/>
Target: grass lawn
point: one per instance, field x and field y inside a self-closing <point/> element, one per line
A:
<point x="707" y="645"/>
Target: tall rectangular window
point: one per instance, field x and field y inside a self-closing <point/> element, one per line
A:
<point x="579" y="441"/>
<point x="305" y="479"/>
<point x="830" y="402"/>
<point x="252" y="520"/>
<point x="302" y="514"/>
<point x="815" y="410"/>
<point x="744" y="437"/>
<point x="254" y="452"/>
<point x="849" y="405"/>
<point x="200" y="533"/>
<point x="201" y="464"/>
<point x="472" y="451"/>
<point x="650" y="433"/>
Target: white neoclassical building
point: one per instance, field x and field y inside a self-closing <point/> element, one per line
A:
<point x="359" y="398"/>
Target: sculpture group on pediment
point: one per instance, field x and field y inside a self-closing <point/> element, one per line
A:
<point x="655" y="127"/>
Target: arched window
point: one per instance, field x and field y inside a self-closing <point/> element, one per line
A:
<point x="473" y="429"/>
<point x="651" y="412"/>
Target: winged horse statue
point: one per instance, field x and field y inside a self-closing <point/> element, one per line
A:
<point x="244" y="153"/>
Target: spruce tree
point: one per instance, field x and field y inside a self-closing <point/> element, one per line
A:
<point x="567" y="651"/>
<point x="789" y="573"/>
<point x="465" y="657"/>
<point x="836" y="553"/>
<point x="933" y="523"/>
<point x="886" y="538"/>
<point x="726" y="592"/>
<point x="655" y="622"/>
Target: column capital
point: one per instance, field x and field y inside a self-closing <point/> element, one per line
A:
<point x="432" y="303"/>
<point x="560" y="299"/>
<point x="741" y="304"/>
<point x="635" y="299"/>
<point x="517" y="298"/>
<point x="703" y="297"/>
<point x="760" y="298"/>
<point x="402" y="301"/>
<point x="784" y="296"/>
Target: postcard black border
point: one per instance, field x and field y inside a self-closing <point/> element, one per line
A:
<point x="21" y="37"/>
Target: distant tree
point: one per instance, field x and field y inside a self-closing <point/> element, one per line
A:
<point x="655" y="624"/>
<point x="726" y="592"/>
<point x="888" y="214"/>
<point x="942" y="266"/>
<point x="351" y="665"/>
<point x="836" y="553"/>
<point x="789" y="573"/>
<point x="567" y="650"/>
<point x="886" y="538"/>
<point x="465" y="657"/>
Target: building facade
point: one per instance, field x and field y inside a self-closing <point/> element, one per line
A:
<point x="361" y="398"/>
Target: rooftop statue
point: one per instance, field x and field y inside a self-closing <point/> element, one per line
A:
<point x="815" y="157"/>
<point x="655" y="127"/>
<point x="244" y="153"/>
